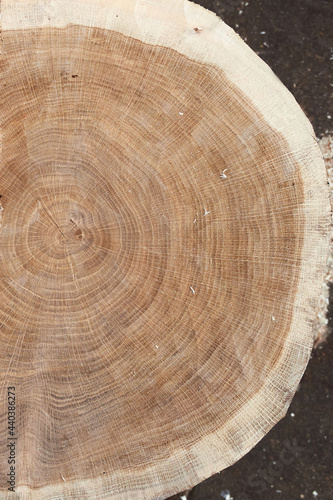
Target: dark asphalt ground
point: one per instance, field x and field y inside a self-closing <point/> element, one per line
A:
<point x="295" y="460"/>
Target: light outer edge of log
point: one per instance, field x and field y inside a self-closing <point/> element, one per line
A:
<point x="171" y="23"/>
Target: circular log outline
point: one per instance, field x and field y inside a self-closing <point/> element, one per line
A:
<point x="201" y="36"/>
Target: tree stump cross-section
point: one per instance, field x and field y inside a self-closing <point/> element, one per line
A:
<point x="163" y="240"/>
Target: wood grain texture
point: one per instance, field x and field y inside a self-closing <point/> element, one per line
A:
<point x="162" y="245"/>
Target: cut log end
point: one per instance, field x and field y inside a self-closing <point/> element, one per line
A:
<point x="164" y="221"/>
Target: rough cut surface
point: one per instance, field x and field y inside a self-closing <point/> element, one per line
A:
<point x="163" y="240"/>
<point x="321" y="322"/>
